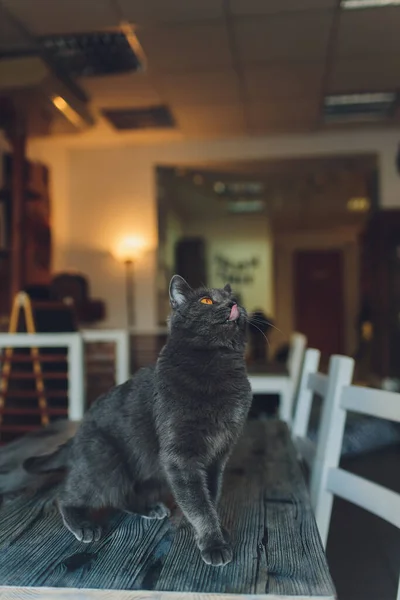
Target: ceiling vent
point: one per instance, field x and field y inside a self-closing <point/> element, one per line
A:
<point x="153" y="117"/>
<point x="91" y="54"/>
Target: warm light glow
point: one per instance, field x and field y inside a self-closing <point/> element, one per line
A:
<point x="67" y="110"/>
<point x="358" y="204"/>
<point x="130" y="248"/>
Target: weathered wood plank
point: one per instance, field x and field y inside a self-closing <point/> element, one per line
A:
<point x="92" y="594"/>
<point x="265" y="505"/>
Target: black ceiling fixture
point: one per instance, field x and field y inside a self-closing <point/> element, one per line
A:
<point x="153" y="117"/>
<point x="91" y="54"/>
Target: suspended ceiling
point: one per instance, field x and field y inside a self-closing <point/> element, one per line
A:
<point x="228" y="67"/>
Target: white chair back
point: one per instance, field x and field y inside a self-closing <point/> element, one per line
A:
<point x="312" y="384"/>
<point x="328" y="480"/>
<point x="298" y="344"/>
<point x="301" y="417"/>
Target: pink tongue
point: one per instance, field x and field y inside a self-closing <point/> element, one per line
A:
<point x="234" y="313"/>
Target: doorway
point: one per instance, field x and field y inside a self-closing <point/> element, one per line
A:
<point x="319" y="299"/>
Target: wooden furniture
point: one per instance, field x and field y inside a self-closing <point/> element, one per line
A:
<point x="265" y="505"/>
<point x="74" y="288"/>
<point x="120" y="337"/>
<point x="380" y="291"/>
<point x="285" y="384"/>
<point x="22" y="303"/>
<point x="25" y="201"/>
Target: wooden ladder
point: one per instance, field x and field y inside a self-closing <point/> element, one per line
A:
<point x="23" y="302"/>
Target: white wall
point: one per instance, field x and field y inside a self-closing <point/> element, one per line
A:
<point x="103" y="193"/>
<point x="239" y="238"/>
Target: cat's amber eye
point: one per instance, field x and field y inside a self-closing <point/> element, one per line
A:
<point x="206" y="301"/>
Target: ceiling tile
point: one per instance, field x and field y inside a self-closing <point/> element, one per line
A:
<point x="203" y="87"/>
<point x="263" y="7"/>
<point x="178" y="47"/>
<point x="369" y="32"/>
<point x="160" y="11"/>
<point x="284" y="37"/>
<point x="365" y="74"/>
<point x="121" y="91"/>
<point x="299" y="115"/>
<point x="42" y="17"/>
<point x="11" y="38"/>
<point x="286" y="80"/>
<point x="213" y="121"/>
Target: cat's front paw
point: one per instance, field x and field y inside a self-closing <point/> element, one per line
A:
<point x="217" y="554"/>
<point x="86" y="532"/>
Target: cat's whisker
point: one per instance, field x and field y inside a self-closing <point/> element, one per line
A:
<point x="261" y="321"/>
<point x="262" y="333"/>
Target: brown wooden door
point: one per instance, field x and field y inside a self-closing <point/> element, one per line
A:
<point x="318" y="299"/>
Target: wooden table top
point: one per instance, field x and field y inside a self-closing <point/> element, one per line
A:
<point x="265" y="505"/>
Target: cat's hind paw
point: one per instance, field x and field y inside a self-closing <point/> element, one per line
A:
<point x="157" y="511"/>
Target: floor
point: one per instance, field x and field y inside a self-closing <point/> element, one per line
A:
<point x="364" y="551"/>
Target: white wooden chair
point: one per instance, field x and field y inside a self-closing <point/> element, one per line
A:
<point x="328" y="480"/>
<point x="326" y="387"/>
<point x="283" y="384"/>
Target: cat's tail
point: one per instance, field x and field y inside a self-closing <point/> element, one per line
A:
<point x="49" y="462"/>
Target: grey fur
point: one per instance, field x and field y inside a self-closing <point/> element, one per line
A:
<point x="171" y="427"/>
<point x="13" y="476"/>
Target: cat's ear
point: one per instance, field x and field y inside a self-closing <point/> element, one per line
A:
<point x="179" y="291"/>
<point x="228" y="288"/>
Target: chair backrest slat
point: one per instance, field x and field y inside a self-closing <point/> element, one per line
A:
<point x="375" y="403"/>
<point x="305" y="394"/>
<point x="330" y="438"/>
<point x="298" y="343"/>
<point x="375" y="498"/>
<point x="318" y="383"/>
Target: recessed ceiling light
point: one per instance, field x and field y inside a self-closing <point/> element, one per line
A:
<point x="359" y="107"/>
<point x="354" y="4"/>
<point x="367" y="98"/>
<point x="67" y="110"/>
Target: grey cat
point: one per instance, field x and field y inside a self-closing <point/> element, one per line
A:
<point x="171" y="427"/>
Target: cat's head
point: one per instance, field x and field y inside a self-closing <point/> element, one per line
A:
<point x="208" y="317"/>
